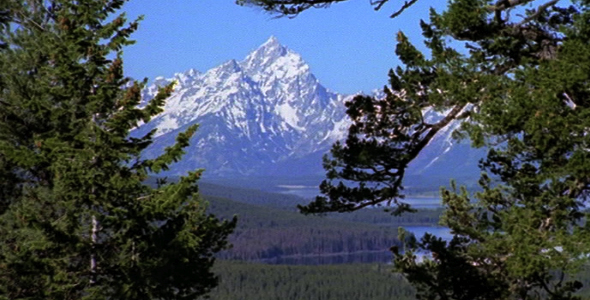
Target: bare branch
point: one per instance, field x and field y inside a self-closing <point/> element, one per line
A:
<point x="406" y="5"/>
<point x="452" y="115"/>
<point x="537" y="13"/>
<point x="378" y="3"/>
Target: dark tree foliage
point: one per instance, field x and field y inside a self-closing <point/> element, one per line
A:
<point x="519" y="85"/>
<point x="76" y="219"/>
<point x="328" y="282"/>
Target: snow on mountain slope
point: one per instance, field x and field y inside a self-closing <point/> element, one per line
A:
<point x="268" y="115"/>
<point x="253" y="113"/>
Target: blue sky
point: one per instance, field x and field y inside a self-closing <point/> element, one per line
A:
<point x="349" y="46"/>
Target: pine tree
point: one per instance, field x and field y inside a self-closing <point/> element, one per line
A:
<point x="77" y="220"/>
<point x="520" y="85"/>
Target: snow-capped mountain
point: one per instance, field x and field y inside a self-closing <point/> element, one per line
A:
<point x="266" y="115"/>
<point x="256" y="115"/>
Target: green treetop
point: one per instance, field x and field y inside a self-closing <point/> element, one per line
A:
<point x="76" y="219"/>
<point x="520" y="86"/>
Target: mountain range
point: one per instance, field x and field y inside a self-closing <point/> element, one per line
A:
<point x="268" y="115"/>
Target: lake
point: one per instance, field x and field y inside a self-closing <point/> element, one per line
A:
<point x="368" y="257"/>
<point x="385" y="256"/>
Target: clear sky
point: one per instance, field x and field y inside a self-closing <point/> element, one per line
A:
<point x="349" y="46"/>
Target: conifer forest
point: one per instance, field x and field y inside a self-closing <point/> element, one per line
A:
<point x="85" y="213"/>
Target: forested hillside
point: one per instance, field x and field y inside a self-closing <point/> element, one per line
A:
<point x="266" y="233"/>
<point x="251" y="196"/>
<point x="269" y="226"/>
<point x="425" y="217"/>
<point x="246" y="281"/>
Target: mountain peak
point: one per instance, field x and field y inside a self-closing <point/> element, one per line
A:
<point x="275" y="60"/>
<point x="272" y="47"/>
<point x="269" y="51"/>
<point x="266" y="115"/>
<point x="271" y="42"/>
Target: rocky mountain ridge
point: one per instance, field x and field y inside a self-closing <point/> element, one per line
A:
<point x="266" y="115"/>
<point x="254" y="114"/>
